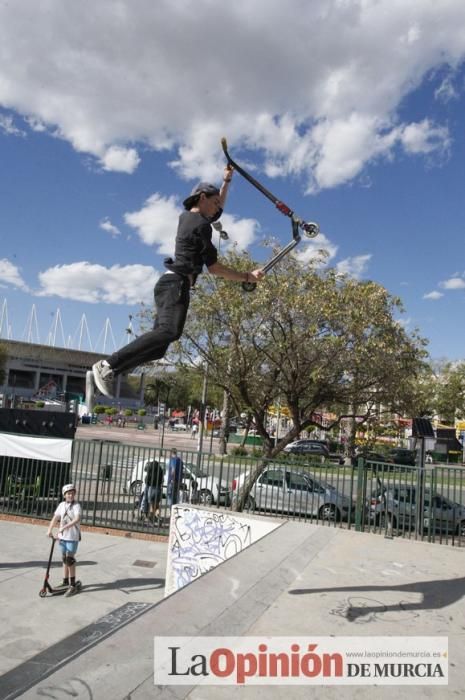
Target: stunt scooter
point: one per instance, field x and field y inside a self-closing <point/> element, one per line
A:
<point x="47" y="588"/>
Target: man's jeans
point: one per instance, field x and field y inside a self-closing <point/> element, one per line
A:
<point x="172" y="302"/>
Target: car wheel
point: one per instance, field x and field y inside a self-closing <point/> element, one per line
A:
<point x="136" y="488"/>
<point x="250" y="504"/>
<point x="206" y="498"/>
<point x="329" y="512"/>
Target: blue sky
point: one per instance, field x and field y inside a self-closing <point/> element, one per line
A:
<point x="351" y="112"/>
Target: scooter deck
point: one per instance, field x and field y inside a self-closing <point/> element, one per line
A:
<point x="60" y="590"/>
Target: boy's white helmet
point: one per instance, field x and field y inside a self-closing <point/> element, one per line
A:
<point x="68" y="487"/>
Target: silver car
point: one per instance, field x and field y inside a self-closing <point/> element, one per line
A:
<point x="283" y="490"/>
<point x="398" y="506"/>
<point x="209" y="489"/>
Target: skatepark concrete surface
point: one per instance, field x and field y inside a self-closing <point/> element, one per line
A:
<point x="298" y="580"/>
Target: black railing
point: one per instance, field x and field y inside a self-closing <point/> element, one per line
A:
<point x="393" y="500"/>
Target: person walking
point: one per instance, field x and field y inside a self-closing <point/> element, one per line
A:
<point x="175" y="473"/>
<point x="150" y="503"/>
<point x="193" y="250"/>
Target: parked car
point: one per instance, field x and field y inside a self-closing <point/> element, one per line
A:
<point x="400" y="455"/>
<point x="337" y="458"/>
<point x="283" y="490"/>
<point x="398" y="505"/>
<point x="369" y="456"/>
<point x="183" y="427"/>
<point x="209" y="489"/>
<point x="315" y="448"/>
<point x="391" y="461"/>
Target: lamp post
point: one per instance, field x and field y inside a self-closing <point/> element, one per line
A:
<point x="222" y="234"/>
<point x="202" y="415"/>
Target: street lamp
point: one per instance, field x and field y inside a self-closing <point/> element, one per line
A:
<point x="223" y="235"/>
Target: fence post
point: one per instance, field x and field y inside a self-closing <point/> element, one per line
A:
<point x="420" y="505"/>
<point x="359" y="505"/>
<point x="98" y="482"/>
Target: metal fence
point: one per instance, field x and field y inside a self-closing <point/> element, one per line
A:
<point x="417" y="503"/>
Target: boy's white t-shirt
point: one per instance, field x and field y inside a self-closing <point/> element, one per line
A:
<point x="67" y="513"/>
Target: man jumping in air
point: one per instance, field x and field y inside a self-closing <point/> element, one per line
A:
<point x="193" y="250"/>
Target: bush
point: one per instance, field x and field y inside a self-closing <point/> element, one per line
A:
<point x="128" y="412"/>
<point x="100" y="409"/>
<point x="141" y="412"/>
<point x="239" y="451"/>
<point x="40" y="404"/>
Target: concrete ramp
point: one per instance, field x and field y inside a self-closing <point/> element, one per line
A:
<point x="298" y="580"/>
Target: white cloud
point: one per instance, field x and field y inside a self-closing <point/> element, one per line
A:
<point x="110" y="228"/>
<point x="242" y="232"/>
<point x="10" y="275"/>
<point x="8" y="127"/>
<point x="123" y="160"/>
<point x="354" y="266"/>
<point x="433" y="295"/>
<point x="84" y="281"/>
<point x="453" y="283"/>
<point x="425" y="137"/>
<point x="317" y="250"/>
<point x="157" y="222"/>
<point x="314" y="86"/>
<point x="446" y="91"/>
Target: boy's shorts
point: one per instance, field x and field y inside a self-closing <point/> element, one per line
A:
<point x="68" y="546"/>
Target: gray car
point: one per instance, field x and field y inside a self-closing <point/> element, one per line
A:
<point x="283" y="490"/>
<point x="397" y="505"/>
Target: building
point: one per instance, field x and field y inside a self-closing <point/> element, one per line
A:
<point x="34" y="371"/>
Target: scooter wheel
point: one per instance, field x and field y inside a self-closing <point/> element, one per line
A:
<point x="43" y="593"/>
<point x="310" y="229"/>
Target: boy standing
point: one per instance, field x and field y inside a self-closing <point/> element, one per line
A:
<point x="68" y="516"/>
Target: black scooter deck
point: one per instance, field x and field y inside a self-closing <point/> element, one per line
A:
<point x="48" y="590"/>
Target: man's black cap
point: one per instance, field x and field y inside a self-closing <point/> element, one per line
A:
<point x="204" y="187"/>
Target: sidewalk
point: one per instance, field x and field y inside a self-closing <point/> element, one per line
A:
<point x="299" y="580"/>
<point x="115" y="571"/>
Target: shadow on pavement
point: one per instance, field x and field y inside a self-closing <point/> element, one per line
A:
<point x="436" y="595"/>
<point x="122" y="583"/>
<point x="42" y="564"/>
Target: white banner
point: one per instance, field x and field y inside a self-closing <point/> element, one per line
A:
<point x="40" y="448"/>
<point x="307" y="660"/>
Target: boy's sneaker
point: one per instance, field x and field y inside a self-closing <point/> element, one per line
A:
<point x="72" y="590"/>
<point x="104" y="377"/>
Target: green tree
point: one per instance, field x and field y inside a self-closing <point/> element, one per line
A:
<point x="450" y="392"/>
<point x="310" y="339"/>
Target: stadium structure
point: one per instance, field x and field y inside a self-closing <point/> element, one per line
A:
<point x="57" y="375"/>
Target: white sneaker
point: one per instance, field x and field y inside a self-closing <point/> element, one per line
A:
<point x="72" y="590"/>
<point x="104" y="377"/>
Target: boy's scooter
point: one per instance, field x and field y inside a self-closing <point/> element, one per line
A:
<point x="47" y="588"/>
